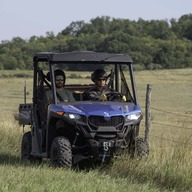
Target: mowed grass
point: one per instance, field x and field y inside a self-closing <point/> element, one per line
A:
<point x="168" y="167"/>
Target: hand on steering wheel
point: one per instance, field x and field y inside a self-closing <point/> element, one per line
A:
<point x="115" y="96"/>
<point x="103" y="97"/>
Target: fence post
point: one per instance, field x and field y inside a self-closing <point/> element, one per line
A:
<point x="147" y="112"/>
<point x="25" y="92"/>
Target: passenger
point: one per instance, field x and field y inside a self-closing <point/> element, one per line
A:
<point x="62" y="94"/>
<point x="100" y="89"/>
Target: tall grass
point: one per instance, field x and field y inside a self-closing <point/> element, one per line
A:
<point x="168" y="167"/>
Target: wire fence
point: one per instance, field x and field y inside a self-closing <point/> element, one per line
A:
<point x="14" y="110"/>
<point x="173" y="113"/>
<point x="169" y="125"/>
<point x="172" y="140"/>
<point x="184" y="122"/>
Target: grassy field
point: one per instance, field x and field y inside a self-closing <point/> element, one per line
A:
<point x="168" y="167"/>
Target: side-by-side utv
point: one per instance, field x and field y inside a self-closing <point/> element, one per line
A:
<point x="69" y="132"/>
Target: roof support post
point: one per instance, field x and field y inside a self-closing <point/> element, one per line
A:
<point x="133" y="84"/>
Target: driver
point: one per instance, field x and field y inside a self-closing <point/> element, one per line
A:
<point x="100" y="90"/>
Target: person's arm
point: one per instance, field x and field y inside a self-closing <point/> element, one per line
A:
<point x="71" y="97"/>
<point x="93" y="96"/>
<point x="90" y="95"/>
<point x="49" y="97"/>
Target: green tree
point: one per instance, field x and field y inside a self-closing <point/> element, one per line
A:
<point x="151" y="43"/>
<point x="183" y="28"/>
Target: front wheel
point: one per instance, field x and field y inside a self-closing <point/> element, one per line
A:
<point x="139" y="147"/>
<point x="61" y="154"/>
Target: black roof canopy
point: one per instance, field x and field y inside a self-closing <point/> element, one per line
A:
<point x="82" y="57"/>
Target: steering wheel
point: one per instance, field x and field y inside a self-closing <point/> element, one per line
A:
<point x="114" y="96"/>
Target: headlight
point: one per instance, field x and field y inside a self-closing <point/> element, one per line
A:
<point x="73" y="116"/>
<point x="134" y="116"/>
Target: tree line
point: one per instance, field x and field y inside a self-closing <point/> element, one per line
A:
<point x="153" y="44"/>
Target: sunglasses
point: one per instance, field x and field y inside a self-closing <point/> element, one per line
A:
<point x="59" y="79"/>
<point x="101" y="79"/>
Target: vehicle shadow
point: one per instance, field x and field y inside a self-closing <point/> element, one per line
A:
<point x="91" y="165"/>
<point x="9" y="159"/>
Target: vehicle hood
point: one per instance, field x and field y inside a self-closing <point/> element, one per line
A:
<point x="97" y="108"/>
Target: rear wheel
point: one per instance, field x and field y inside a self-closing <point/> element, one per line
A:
<point x="26" y="147"/>
<point x="61" y="154"/>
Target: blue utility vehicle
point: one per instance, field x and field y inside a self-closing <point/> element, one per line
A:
<point x="71" y="132"/>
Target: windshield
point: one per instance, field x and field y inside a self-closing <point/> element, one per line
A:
<point x="79" y="79"/>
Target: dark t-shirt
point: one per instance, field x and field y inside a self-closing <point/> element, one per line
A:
<point x="94" y="93"/>
<point x="64" y="95"/>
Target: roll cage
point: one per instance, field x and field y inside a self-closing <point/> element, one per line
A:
<point x="86" y="58"/>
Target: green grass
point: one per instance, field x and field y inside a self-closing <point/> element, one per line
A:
<point x="168" y="167"/>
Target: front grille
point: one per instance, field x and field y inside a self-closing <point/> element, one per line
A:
<point x="115" y="121"/>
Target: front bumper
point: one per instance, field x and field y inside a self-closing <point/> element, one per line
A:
<point x="99" y="151"/>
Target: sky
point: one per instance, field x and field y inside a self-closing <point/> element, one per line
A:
<point x="26" y="18"/>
